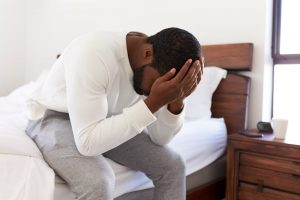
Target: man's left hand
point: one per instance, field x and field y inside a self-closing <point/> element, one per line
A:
<point x="177" y="106"/>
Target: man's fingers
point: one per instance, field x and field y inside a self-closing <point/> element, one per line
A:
<point x="192" y="78"/>
<point x="202" y="64"/>
<point x="200" y="74"/>
<point x="189" y="84"/>
<point x="191" y="88"/>
<point x="199" y="66"/>
<point x="199" y="77"/>
<point x="183" y="71"/>
<point x="167" y="76"/>
<point x="192" y="73"/>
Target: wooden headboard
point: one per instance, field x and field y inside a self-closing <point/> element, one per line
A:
<point x="230" y="100"/>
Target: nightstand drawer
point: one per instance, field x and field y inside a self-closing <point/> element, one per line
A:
<point x="250" y="192"/>
<point x="272" y="163"/>
<point x="269" y="179"/>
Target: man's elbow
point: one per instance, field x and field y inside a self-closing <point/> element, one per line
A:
<point x="85" y="149"/>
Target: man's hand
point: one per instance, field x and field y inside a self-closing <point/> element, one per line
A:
<point x="171" y="90"/>
<point x="177" y="106"/>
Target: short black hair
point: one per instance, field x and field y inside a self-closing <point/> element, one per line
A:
<point x="172" y="48"/>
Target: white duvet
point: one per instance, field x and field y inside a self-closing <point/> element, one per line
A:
<point x="24" y="175"/>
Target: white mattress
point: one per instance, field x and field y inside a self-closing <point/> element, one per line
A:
<point x="200" y="142"/>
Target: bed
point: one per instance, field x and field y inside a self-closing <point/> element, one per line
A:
<point x="25" y="175"/>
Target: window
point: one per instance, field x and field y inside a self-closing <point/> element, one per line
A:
<point x="286" y="57"/>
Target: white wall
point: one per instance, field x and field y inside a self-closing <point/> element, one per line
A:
<point x="12" y="44"/>
<point x="51" y="25"/>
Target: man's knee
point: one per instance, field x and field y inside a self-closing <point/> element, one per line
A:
<point x="171" y="164"/>
<point x="176" y="164"/>
<point x="96" y="188"/>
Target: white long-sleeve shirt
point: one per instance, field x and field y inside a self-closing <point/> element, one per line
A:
<point x="93" y="81"/>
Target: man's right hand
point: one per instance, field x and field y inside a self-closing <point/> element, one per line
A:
<point x="167" y="88"/>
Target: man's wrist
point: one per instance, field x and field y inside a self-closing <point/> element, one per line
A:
<point x="151" y="105"/>
<point x="176" y="107"/>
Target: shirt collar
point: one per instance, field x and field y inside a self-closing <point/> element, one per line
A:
<point x="125" y="58"/>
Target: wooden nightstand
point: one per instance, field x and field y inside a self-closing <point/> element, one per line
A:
<point x="262" y="168"/>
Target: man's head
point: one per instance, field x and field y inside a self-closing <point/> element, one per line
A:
<point x="172" y="48"/>
<point x="167" y="49"/>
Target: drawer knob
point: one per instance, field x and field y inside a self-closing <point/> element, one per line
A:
<point x="296" y="163"/>
<point x="296" y="176"/>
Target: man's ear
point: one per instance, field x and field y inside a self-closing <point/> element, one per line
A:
<point x="148" y="52"/>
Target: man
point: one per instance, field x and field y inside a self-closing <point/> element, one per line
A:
<point x="118" y="96"/>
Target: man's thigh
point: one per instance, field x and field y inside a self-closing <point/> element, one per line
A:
<point x="54" y="137"/>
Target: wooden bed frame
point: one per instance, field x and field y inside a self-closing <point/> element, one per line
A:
<point x="229" y="101"/>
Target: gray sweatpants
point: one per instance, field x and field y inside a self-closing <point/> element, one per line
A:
<point x="92" y="178"/>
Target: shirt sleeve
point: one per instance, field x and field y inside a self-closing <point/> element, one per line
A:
<point x="166" y="127"/>
<point x="87" y="79"/>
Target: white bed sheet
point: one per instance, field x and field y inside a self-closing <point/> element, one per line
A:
<point x="24" y="175"/>
<point x="200" y="142"/>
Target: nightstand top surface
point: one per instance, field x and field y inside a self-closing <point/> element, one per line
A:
<point x="291" y="139"/>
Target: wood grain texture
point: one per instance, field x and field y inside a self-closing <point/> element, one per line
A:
<point x="236" y="57"/>
<point x="249" y="192"/>
<point x="262" y="168"/>
<point x="230" y="101"/>
<point x="268" y="162"/>
<point x="270" y="179"/>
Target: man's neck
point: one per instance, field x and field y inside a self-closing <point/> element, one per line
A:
<point x="134" y="43"/>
